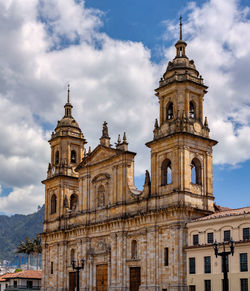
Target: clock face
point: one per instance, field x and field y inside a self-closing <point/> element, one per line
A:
<point x="197" y="127"/>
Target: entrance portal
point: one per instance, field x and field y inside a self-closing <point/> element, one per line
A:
<point x="72" y="281"/>
<point x="135" y="278"/>
<point x="101" y="277"/>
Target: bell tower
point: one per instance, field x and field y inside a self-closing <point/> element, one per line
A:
<point x="181" y="150"/>
<point x="67" y="151"/>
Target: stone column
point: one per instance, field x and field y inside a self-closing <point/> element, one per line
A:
<point x="144" y="261"/>
<point x="113" y="274"/>
<point x="152" y="257"/>
<point x="121" y="261"/>
<point x="85" y="257"/>
<point x="64" y="264"/>
<point x="44" y="264"/>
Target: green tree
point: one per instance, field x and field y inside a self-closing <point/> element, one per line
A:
<point x="37" y="249"/>
<point x="26" y="248"/>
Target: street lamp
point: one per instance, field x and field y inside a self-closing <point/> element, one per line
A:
<point x="224" y="256"/>
<point x="77" y="268"/>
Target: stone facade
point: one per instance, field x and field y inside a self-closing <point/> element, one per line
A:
<point x="129" y="239"/>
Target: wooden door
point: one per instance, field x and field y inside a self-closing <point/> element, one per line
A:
<point x="101" y="277"/>
<point x="72" y="281"/>
<point x="135" y="278"/>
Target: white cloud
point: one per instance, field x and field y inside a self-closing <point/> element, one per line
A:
<point x="218" y="40"/>
<point x="111" y="80"/>
<point x="22" y="200"/>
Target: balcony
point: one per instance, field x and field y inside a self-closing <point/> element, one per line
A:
<point x="21" y="287"/>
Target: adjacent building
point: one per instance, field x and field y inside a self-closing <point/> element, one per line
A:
<point x="130" y="239"/>
<point x="204" y="269"/>
<point x="24" y="280"/>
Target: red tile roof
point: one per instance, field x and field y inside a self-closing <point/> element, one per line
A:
<point x="225" y="213"/>
<point x="27" y="274"/>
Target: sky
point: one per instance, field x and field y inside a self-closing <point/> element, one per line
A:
<point x="113" y="53"/>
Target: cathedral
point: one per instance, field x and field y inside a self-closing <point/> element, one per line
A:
<point x="129" y="239"/>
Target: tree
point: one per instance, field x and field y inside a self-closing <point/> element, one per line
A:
<point x="37" y="249"/>
<point x="27" y="248"/>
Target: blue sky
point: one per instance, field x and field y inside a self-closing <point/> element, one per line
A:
<point x="113" y="53"/>
<point x="143" y="21"/>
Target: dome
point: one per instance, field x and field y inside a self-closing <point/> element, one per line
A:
<point x="67" y="122"/>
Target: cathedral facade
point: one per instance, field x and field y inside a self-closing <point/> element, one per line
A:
<point x="129" y="239"/>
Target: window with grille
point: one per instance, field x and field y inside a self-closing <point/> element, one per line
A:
<point x="192" y="288"/>
<point x="29" y="284"/>
<point x="210" y="237"/>
<point x="207" y="265"/>
<point x="243" y="262"/>
<point x="195" y="239"/>
<point x="246" y="233"/>
<point x="191" y="265"/>
<point x="227" y="235"/>
<point x="243" y="284"/>
<point x="207" y="285"/>
<point x="165" y="256"/>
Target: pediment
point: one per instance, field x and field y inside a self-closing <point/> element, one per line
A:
<point x="99" y="154"/>
<point x="102" y="154"/>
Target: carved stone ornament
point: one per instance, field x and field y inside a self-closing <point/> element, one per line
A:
<point x="100" y="177"/>
<point x="101" y="245"/>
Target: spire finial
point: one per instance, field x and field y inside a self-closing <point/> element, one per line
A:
<point x="68" y="99"/>
<point x="124" y="138"/>
<point x="180" y="27"/>
<point x="119" y="140"/>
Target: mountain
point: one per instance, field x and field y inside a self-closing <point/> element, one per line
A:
<point x="17" y="227"/>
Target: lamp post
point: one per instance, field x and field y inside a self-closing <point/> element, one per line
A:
<point x="224" y="255"/>
<point x="77" y="268"/>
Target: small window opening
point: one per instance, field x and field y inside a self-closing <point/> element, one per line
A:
<point x="73" y="202"/>
<point x="57" y="157"/>
<point x="29" y="284"/>
<point x="166" y="172"/>
<point x="51" y="268"/>
<point x="134" y="249"/>
<point x="165" y="256"/>
<point x="53" y="204"/>
<point x="191" y="110"/>
<point x="170" y="111"/>
<point x="72" y="255"/>
<point x="73" y="156"/>
<point x="101" y="196"/>
<point x="196" y="172"/>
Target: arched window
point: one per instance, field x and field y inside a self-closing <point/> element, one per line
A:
<point x="73" y="156"/>
<point x="170" y="111"/>
<point x="196" y="172"/>
<point x="191" y="109"/>
<point x="53" y="204"/>
<point x="166" y="172"/>
<point x="101" y="196"/>
<point x="57" y="157"/>
<point x="133" y="249"/>
<point x="72" y="255"/>
<point x="73" y="202"/>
